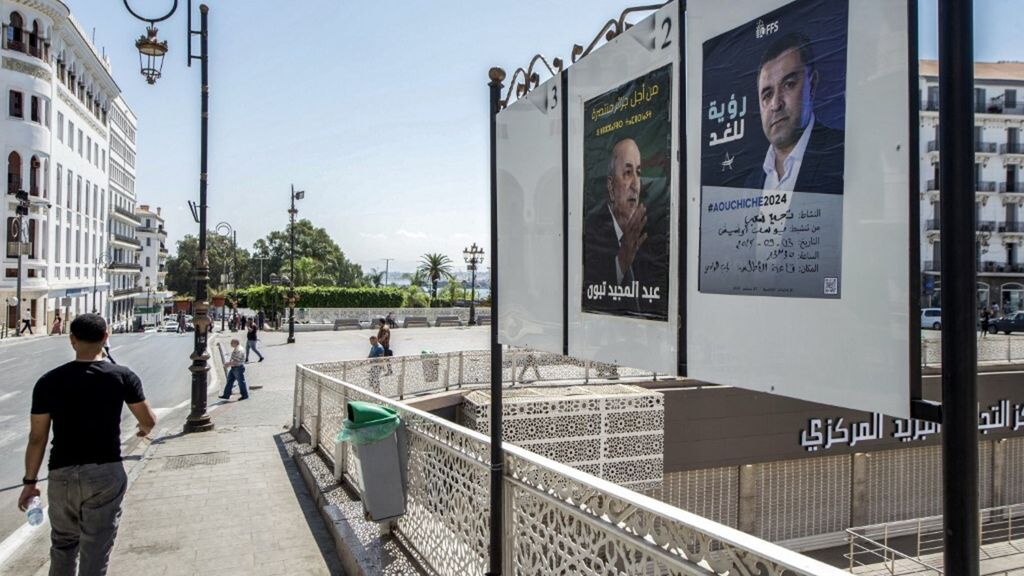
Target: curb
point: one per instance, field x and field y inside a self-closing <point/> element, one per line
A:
<point x="333" y="519"/>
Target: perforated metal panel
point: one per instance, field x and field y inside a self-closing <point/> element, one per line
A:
<point x="907" y="483"/>
<point x="712" y="493"/>
<point x="1014" y="471"/>
<point x="803" y="497"/>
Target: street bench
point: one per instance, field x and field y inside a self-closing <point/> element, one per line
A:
<point x="416" y="322"/>
<point x="483" y="319"/>
<point x="448" y="321"/>
<point x="347" y="324"/>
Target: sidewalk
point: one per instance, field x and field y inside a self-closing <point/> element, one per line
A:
<point x="229" y="501"/>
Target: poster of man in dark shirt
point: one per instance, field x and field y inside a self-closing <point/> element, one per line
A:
<point x="82" y="402"/>
<point x="626" y="198"/>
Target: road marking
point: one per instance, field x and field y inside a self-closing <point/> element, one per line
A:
<point x="8" y="360"/>
<point x="10" y="545"/>
<point x="116" y="348"/>
<point x="9" y="395"/>
<point x="145" y="338"/>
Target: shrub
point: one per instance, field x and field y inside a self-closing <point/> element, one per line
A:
<point x="269" y="297"/>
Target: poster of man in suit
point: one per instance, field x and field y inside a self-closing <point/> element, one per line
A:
<point x="772" y="154"/>
<point x="626" y="198"/>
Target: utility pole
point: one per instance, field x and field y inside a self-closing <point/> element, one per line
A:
<point x="387" y="268"/>
<point x="261" y="259"/>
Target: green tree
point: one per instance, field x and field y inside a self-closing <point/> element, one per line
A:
<point x="417" y="278"/>
<point x="310" y="242"/>
<point x="435" y="267"/>
<point x="374" y="278"/>
<point x="181" y="266"/>
<point x="309" y="272"/>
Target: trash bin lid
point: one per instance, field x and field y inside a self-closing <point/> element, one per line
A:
<point x="362" y="414"/>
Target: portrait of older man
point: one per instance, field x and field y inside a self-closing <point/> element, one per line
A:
<point x="803" y="154"/>
<point x="616" y="250"/>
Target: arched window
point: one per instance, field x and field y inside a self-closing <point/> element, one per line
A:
<point x="33" y="176"/>
<point x="13" y="172"/>
<point x="14" y="32"/>
<point x="1011" y="297"/>
<point x="35" y="40"/>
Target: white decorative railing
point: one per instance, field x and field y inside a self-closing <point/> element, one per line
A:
<point x="329" y="315"/>
<point x="991" y="350"/>
<point x="559" y="520"/>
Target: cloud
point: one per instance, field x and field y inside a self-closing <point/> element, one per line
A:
<point x="373" y="236"/>
<point x="411" y="235"/>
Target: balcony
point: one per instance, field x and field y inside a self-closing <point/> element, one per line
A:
<point x="1011" y="148"/>
<point x="125" y="240"/>
<point x="1011" y="188"/>
<point x="124" y="266"/>
<point x="127" y="292"/>
<point x="33" y="47"/>
<point x="932" y="224"/>
<point x="127" y="215"/>
<point x="932" y="186"/>
<point x="930" y="105"/>
<point x="985" y="147"/>
<point x="933" y="145"/>
<point x="932" y="266"/>
<point x="985" y="186"/>
<point x="985" y="226"/>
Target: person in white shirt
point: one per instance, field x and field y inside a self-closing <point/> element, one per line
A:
<point x="236" y="372"/>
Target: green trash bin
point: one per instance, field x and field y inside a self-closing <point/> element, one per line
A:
<point x="379" y="445"/>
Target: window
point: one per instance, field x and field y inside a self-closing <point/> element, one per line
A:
<point x="33" y="176"/>
<point x="147" y="223"/>
<point x="88" y="187"/>
<point x="147" y="261"/>
<point x="13" y="172"/>
<point x="15" y="107"/>
<point x="103" y="160"/>
<point x="1010" y="98"/>
<point x="60" y="126"/>
<point x="78" y="194"/>
<point x="88" y="148"/>
<point x="60" y="185"/>
<point x="79" y="141"/>
<point x="36" y="113"/>
<point x="15" y="38"/>
<point x="96" y="154"/>
<point x="71" y="180"/>
<point x="149" y="242"/>
<point x="71" y="134"/>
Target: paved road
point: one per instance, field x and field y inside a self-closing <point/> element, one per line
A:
<point x="161" y="360"/>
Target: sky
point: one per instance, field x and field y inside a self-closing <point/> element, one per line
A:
<point x="378" y="111"/>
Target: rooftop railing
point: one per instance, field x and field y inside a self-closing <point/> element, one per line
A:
<point x="559" y="520"/>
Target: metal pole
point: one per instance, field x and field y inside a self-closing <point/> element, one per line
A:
<point x="387" y="270"/>
<point x="17" y="311"/>
<point x="198" y="420"/>
<point x="472" y="295"/>
<point x="497" y="76"/>
<point x="234" y="272"/>
<point x="959" y="340"/>
<point x="291" y="285"/>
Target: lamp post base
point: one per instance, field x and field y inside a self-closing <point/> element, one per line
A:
<point x="199" y="424"/>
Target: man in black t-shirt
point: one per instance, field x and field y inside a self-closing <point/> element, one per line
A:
<point x="83" y="399"/>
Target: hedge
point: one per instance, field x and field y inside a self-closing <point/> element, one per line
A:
<point x="269" y="297"/>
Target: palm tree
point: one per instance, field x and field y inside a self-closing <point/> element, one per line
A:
<point x="309" y="272"/>
<point x="435" y="267"/>
<point x="417" y="278"/>
<point x="375" y="278"/>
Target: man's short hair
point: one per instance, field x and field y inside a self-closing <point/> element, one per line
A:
<point x="793" y="40"/>
<point x="611" y="156"/>
<point x="89" y="328"/>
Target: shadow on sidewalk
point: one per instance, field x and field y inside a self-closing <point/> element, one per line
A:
<point x="314" y="521"/>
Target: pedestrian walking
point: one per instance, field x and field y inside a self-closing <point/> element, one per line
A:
<point x="236" y="372"/>
<point x="384" y="336"/>
<point x="57" y="328"/>
<point x="26" y="322"/>
<point x="181" y="322"/>
<point x="986" y="317"/>
<point x="251" y="338"/>
<point x="82" y="402"/>
<point x="261" y="319"/>
<point x="530" y="362"/>
<point x="376" y="351"/>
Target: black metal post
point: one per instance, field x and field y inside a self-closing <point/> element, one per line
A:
<point x="17" y="309"/>
<point x="198" y="420"/>
<point x="234" y="273"/>
<point x="472" y="294"/>
<point x="497" y="76"/>
<point x="959" y="309"/>
<point x="291" y="284"/>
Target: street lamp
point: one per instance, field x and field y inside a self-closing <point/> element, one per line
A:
<point x="261" y="258"/>
<point x="473" y="255"/>
<point x="387" y="270"/>
<point x="296" y="195"/>
<point x="103" y="260"/>
<point x="151" y="53"/>
<point x="225" y="230"/>
<point x="149" y="301"/>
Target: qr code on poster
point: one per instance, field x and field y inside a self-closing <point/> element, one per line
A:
<point x="831" y="286"/>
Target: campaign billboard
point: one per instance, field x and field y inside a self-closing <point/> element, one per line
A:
<point x="623" y="198"/>
<point x="799" y="197"/>
<point x="530" y="220"/>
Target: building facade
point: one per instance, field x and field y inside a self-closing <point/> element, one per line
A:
<point x="998" y="187"/>
<point x="153" y="258"/>
<point x="58" y="91"/>
<point x="124" y="254"/>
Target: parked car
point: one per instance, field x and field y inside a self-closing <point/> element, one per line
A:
<point x="931" y="318"/>
<point x="169" y="326"/>
<point x="1012" y="322"/>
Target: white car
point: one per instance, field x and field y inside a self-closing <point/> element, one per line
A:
<point x="169" y="326"/>
<point x="931" y="318"/>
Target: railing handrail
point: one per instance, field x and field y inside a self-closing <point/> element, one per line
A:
<point x="781" y="557"/>
<point x="892" y="551"/>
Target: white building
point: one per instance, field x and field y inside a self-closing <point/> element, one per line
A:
<point x="58" y="91"/>
<point x="998" y="187"/>
<point x="125" y="270"/>
<point x="153" y="258"/>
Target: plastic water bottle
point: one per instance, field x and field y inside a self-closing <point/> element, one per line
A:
<point x="35" y="511"/>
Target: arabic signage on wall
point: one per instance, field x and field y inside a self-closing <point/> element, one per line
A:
<point x="627" y="165"/>
<point x="772" y="144"/>
<point x="800" y="199"/>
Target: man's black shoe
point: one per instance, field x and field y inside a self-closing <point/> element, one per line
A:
<point x="224" y="397"/>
